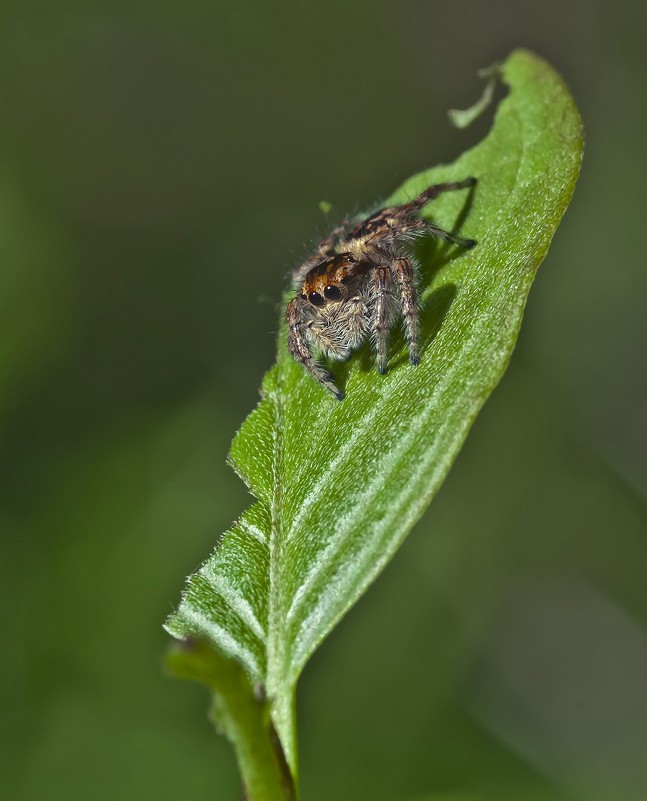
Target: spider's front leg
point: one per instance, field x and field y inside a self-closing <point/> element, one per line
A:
<point x="300" y="349"/>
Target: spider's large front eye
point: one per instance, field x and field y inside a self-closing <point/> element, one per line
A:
<point x="332" y="292"/>
<point x="316" y="299"/>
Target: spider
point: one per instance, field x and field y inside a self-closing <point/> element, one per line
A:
<point x="357" y="283"/>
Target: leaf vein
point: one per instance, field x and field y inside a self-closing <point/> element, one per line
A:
<point x="236" y="602"/>
<point x="230" y="645"/>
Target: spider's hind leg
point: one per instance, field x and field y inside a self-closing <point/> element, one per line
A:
<point x="430" y="194"/>
<point x="451" y="238"/>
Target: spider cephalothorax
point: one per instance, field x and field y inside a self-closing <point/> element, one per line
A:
<point x="357" y="284"/>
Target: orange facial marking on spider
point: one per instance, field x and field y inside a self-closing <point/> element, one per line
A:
<point x="358" y="283"/>
<point x="327" y="280"/>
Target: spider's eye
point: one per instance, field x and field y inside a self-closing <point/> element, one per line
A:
<point x="316" y="299"/>
<point x="345" y="279"/>
<point x="332" y="292"/>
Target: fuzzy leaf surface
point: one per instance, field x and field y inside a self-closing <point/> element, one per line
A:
<point x="340" y="484"/>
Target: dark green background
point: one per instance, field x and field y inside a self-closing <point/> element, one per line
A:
<point x="161" y="166"/>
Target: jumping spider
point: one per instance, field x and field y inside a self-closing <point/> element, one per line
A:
<point x="358" y="282"/>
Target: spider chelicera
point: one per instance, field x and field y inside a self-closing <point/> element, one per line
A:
<point x="358" y="282"/>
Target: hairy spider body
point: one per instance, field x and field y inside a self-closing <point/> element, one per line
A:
<point x="358" y="282"/>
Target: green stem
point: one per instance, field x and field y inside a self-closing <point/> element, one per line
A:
<point x="243" y="716"/>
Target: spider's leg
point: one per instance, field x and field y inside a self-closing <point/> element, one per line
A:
<point x="429" y="194"/>
<point x="336" y="235"/>
<point x="437" y="189"/>
<point x="325" y="249"/>
<point x="381" y="314"/>
<point x="300" y="349"/>
<point x="405" y="217"/>
<point x="447" y="236"/>
<point x="405" y="277"/>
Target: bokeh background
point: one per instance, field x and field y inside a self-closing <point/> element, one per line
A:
<point x="161" y="168"/>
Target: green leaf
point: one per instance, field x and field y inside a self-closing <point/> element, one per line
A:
<point x="340" y="484"/>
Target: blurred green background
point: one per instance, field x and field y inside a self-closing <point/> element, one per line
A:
<point x="161" y="167"/>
